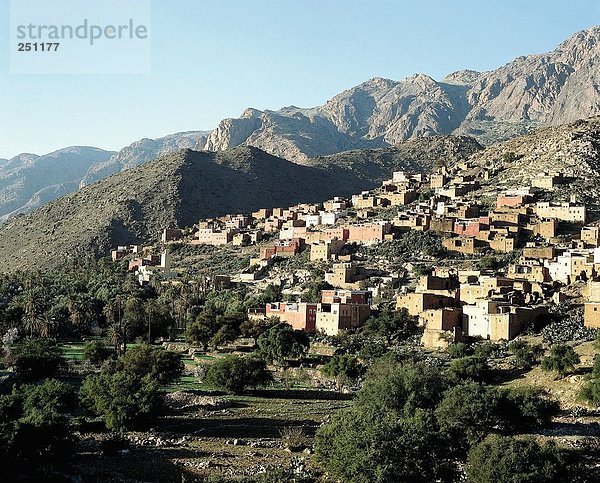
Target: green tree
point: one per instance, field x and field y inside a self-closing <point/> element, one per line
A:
<point x="96" y="352"/>
<point x="160" y="365"/>
<point x="501" y="459"/>
<point x="202" y="329"/>
<point x="522" y="408"/>
<point x="364" y="445"/>
<point x="468" y="412"/>
<point x="526" y="355"/>
<point x="34" y="422"/>
<point x="470" y="368"/>
<point x="234" y="374"/>
<point x="345" y="369"/>
<point x="392" y="324"/>
<point x="282" y="342"/>
<point x="562" y="360"/>
<point x="37" y="359"/>
<point x="122" y="400"/>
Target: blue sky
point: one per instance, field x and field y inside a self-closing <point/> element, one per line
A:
<point x="213" y="58"/>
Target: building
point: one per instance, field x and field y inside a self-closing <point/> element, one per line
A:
<point x="282" y="248"/>
<point x="212" y="236"/>
<point x="570" y="211"/>
<point x="590" y="236"/>
<point x="492" y="320"/>
<point x="335" y="317"/>
<point x="441" y="327"/>
<point x="416" y="303"/>
<point x="369" y="232"/>
<point x="171" y="235"/>
<point x="300" y="315"/>
<point x="324" y="250"/>
<point x="346" y="296"/>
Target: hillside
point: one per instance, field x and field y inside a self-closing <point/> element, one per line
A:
<point x="28" y="181"/>
<point x="543" y="89"/>
<point x="572" y="149"/>
<point x="179" y="188"/>
<point x="144" y="150"/>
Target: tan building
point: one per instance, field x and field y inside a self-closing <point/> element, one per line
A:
<point x="564" y="211"/>
<point x="590" y="236"/>
<point x="441" y="327"/>
<point x="464" y="244"/>
<point x="333" y="318"/>
<point x="416" y="303"/>
<point x="324" y="250"/>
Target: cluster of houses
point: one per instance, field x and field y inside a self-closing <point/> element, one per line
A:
<point x="338" y="310"/>
<point x="449" y="304"/>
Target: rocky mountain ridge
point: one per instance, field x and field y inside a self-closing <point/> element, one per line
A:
<point x="543" y="89"/>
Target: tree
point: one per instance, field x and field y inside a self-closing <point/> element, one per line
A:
<point x="160" y="365"/>
<point x="501" y="459"/>
<point x="37" y="359"/>
<point x="393" y="325"/>
<point x="526" y="355"/>
<point x="344" y="368"/>
<point x="96" y="352"/>
<point x="591" y="391"/>
<point x="361" y="445"/>
<point x="282" y="342"/>
<point x="123" y="400"/>
<point x="255" y="327"/>
<point x="202" y="329"/>
<point x="234" y="374"/>
<point x="401" y="387"/>
<point x="522" y="408"/>
<point x="34" y="422"/>
<point x="562" y="359"/>
<point x="468" y="412"/>
<point x="471" y="368"/>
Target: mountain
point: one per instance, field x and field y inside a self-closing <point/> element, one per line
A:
<point x="179" y="188"/>
<point x="144" y="150"/>
<point x="544" y="89"/>
<point x="28" y="180"/>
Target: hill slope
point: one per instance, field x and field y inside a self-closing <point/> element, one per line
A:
<point x="179" y="188"/>
<point x="553" y="88"/>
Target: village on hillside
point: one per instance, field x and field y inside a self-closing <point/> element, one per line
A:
<point x="507" y="257"/>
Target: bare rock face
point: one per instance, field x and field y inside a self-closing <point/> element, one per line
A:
<point x="547" y="89"/>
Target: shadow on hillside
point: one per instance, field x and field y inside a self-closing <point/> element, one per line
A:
<point x="238" y="427"/>
<point x="301" y="394"/>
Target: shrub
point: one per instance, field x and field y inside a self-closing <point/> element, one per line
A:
<point x="591" y="391"/>
<point x="121" y="399"/>
<point x="293" y="438"/>
<point x="96" y="352"/>
<point x="507" y="459"/>
<point x="162" y="366"/>
<point x="344" y="368"/>
<point x="526" y="355"/>
<point x="562" y="359"/>
<point x="470" y="368"/>
<point x="282" y="342"/>
<point x="459" y="350"/>
<point x="37" y="359"/>
<point x="234" y="374"/>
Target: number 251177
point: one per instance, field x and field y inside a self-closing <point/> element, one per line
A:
<point x="38" y="46"/>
